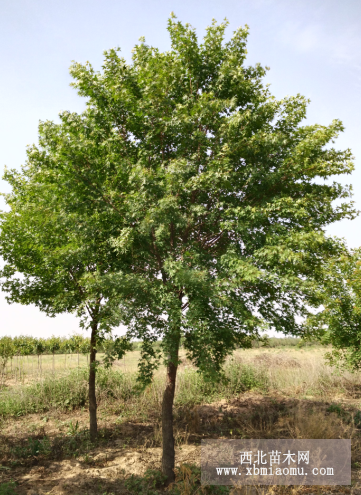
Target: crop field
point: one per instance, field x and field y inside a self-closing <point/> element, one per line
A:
<point x="268" y="393"/>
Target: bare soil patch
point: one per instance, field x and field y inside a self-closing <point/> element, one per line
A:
<point x="72" y="465"/>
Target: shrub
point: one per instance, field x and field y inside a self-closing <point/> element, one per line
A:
<point x="243" y="377"/>
<point x="238" y="378"/>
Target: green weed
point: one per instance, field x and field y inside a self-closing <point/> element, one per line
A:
<point x="146" y="485"/>
<point x="336" y="408"/>
<point x="73" y="429"/>
<point x="7" y="488"/>
<point x="33" y="448"/>
<point x="357" y="419"/>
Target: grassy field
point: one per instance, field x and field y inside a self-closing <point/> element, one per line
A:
<point x="268" y="393"/>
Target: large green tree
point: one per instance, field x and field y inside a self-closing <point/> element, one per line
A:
<point x="209" y="193"/>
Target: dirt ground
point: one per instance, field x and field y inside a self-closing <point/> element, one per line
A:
<point x="50" y="453"/>
<point x="106" y="474"/>
<point x="127" y="448"/>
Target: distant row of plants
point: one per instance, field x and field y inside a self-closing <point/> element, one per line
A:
<point x="289" y="342"/>
<point x="25" y="345"/>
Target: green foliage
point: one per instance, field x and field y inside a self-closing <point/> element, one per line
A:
<point x="336" y="408"/>
<point x="243" y="377"/>
<point x="282" y="342"/>
<point x="185" y="202"/>
<point x="7" y="351"/>
<point x="24" y="345"/>
<point x="115" y="384"/>
<point x="63" y="393"/>
<point x="238" y="378"/>
<point x="7" y="488"/>
<point x="73" y="429"/>
<point x="339" y="324"/>
<point x="39" y="346"/>
<point x="33" y="448"/>
<point x="75" y="343"/>
<point x="27" y="345"/>
<point x="53" y="344"/>
<point x="357" y="419"/>
<point x="84" y="347"/>
<point x="146" y="485"/>
<point x="114" y="349"/>
<point x="66" y="346"/>
<point x="70" y="391"/>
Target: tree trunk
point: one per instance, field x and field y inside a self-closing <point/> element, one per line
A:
<point x="168" y="457"/>
<point x="92" y="396"/>
<point x="174" y="336"/>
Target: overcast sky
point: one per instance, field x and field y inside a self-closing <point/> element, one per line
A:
<point x="312" y="47"/>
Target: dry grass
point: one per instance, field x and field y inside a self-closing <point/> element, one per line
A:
<point x="292" y="371"/>
<point x="291" y="393"/>
<point x="302" y="373"/>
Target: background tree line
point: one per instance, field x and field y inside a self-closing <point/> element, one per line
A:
<point x="18" y="348"/>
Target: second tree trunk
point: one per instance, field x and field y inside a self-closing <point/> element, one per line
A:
<point x="92" y="396"/>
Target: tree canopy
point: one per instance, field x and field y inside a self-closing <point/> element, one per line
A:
<point x="54" y="263"/>
<point x="206" y="191"/>
<point x="339" y="324"/>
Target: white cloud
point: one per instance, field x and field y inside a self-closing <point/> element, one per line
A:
<point x="341" y="46"/>
<point x="329" y="29"/>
